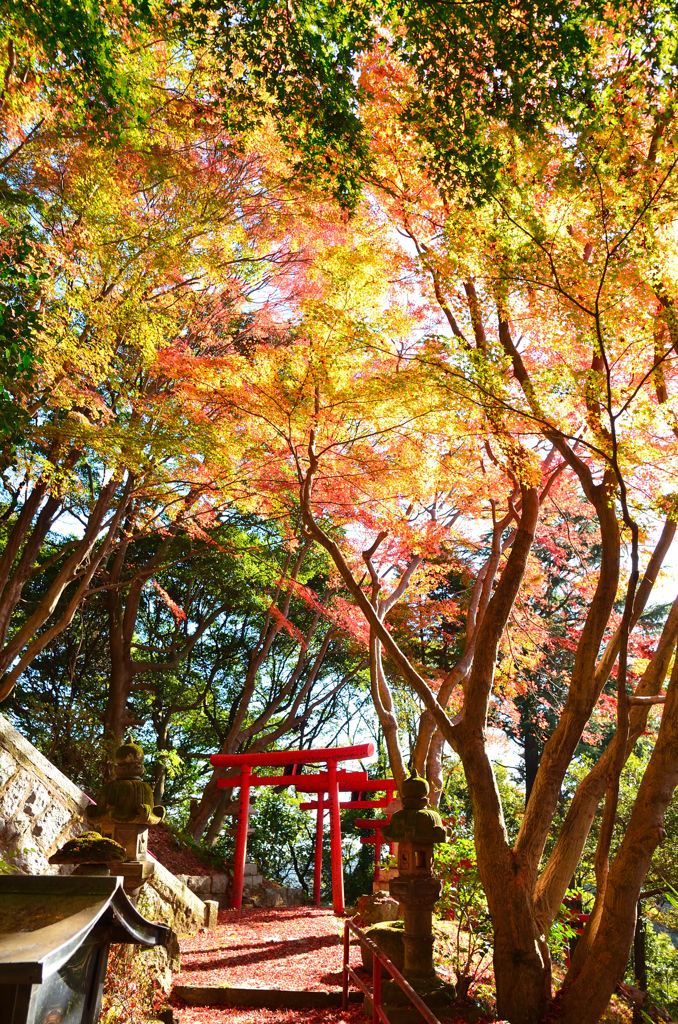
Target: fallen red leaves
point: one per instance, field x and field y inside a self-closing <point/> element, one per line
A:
<point x="286" y="947"/>
<point x="246" y="1015"/>
<point x="178" y="859"/>
<point x="289" y="947"/>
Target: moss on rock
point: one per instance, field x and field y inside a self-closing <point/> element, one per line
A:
<point x="89" y="848"/>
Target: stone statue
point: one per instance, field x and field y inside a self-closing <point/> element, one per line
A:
<point x="123" y="812"/>
<point x="416" y="829"/>
<point x="127" y="798"/>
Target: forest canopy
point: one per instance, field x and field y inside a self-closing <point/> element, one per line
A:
<point x="339" y="401"/>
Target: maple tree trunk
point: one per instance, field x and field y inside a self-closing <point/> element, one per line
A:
<point x="214" y="830"/>
<point x="521" y="959"/>
<point x="206" y="807"/>
<point x="116" y="718"/>
<point x="160" y="771"/>
<point x="115" y="715"/>
<point x="434" y="767"/>
<point x="532" y="755"/>
<point x="383" y="703"/>
<point x="522" y="964"/>
<point x="562" y="863"/>
<point x="587" y="993"/>
<point x="12" y="586"/>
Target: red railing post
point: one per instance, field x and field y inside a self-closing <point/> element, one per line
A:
<point x="241" y="838"/>
<point x="344" y="973"/>
<point x="318" y="867"/>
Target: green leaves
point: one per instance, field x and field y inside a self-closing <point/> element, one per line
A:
<point x="298" y="63"/>
<point x="78" y="51"/>
<point x="19" y="324"/>
<point x="483" y="67"/>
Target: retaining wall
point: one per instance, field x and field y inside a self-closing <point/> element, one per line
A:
<point x="40" y="808"/>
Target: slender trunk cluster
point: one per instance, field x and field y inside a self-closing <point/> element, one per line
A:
<point x="523" y="894"/>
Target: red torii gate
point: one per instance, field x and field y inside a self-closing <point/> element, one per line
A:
<point x="326" y="781"/>
<point x="377" y="824"/>
<point x="349" y="782"/>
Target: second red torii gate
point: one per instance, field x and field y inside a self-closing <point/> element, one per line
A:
<point x="349" y="782"/>
<point x="376" y="824"/>
<point x="331" y="756"/>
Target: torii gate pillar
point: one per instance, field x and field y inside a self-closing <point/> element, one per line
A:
<point x="335" y="841"/>
<point x="240" y="855"/>
<point x="318" y="866"/>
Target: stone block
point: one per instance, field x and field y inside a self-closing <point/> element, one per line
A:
<point x="12" y="797"/>
<point x="211" y="914"/>
<point x="375" y="909"/>
<point x="29" y="859"/>
<point x="270" y="998"/>
<point x="17" y="828"/>
<point x="188" y="909"/>
<point x="251" y="868"/>
<point x="37" y="800"/>
<point x="201" y="885"/>
<point x="219" y="884"/>
<point x="155" y="963"/>
<point x="388" y="936"/>
<point x="269" y="898"/>
<point x="153" y="907"/>
<point x="295" y="897"/>
<point x="49" y="825"/>
<point x="8" y="766"/>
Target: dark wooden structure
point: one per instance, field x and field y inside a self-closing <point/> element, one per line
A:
<point x="55" y="931"/>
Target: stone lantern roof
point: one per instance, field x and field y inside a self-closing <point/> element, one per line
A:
<point x="416" y="822"/>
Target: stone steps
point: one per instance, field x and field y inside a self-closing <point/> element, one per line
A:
<point x="269" y="998"/>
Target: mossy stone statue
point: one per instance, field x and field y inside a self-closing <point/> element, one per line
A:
<point x="416" y="828"/>
<point x="123" y="812"/>
<point x="127" y="798"/>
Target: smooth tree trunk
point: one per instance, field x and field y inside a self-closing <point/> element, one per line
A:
<point x="590" y="983"/>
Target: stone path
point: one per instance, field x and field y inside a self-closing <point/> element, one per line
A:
<point x="282" y="948"/>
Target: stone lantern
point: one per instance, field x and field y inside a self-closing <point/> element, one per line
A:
<point x="416" y="829"/>
<point x="123" y="812"/>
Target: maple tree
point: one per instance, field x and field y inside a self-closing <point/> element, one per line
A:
<point x="141" y="243"/>
<point x="573" y="255"/>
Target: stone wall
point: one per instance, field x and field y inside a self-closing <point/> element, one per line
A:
<point x="257" y="891"/>
<point x="216" y="887"/>
<point x="40" y="809"/>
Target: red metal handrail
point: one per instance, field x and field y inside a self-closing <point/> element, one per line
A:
<point x="378" y="958"/>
